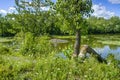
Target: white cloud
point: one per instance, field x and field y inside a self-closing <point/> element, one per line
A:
<point x="45" y="8"/>
<point x="101" y="11"/>
<point x="11" y="10"/>
<point x="114" y="1"/>
<point x="4" y="12"/>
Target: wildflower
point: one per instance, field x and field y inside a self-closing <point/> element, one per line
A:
<point x="51" y="72"/>
<point x="85" y="76"/>
<point x="70" y="73"/>
<point x="109" y="63"/>
<point x="84" y="61"/>
<point x="90" y="69"/>
<point x="58" y="69"/>
<point x="46" y="71"/>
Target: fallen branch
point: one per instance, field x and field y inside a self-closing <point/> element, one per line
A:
<point x="87" y="49"/>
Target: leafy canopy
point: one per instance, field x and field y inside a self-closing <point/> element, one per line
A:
<point x="73" y="12"/>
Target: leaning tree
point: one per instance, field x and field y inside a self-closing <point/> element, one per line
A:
<point x="73" y="14"/>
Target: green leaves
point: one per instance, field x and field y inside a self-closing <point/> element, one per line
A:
<point x="72" y="12"/>
<point x="101" y="25"/>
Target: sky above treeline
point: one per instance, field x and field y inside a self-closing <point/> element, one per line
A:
<point x="102" y="8"/>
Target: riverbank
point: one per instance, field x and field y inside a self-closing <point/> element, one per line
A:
<point x="39" y="60"/>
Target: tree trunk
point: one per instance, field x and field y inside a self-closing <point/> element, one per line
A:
<point x="77" y="43"/>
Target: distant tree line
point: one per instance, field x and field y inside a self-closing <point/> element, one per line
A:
<point x="30" y="17"/>
<point x="102" y="26"/>
<point x="47" y="23"/>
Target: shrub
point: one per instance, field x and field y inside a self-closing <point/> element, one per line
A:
<point x="34" y="46"/>
<point x="4" y="50"/>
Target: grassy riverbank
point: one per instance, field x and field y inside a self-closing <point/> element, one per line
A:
<point x="14" y="67"/>
<point x="38" y="60"/>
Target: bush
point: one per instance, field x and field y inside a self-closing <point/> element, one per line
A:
<point x="4" y="50"/>
<point x="33" y="46"/>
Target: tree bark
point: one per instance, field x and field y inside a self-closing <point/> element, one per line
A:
<point x="77" y="43"/>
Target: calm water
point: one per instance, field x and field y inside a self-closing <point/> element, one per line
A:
<point x="103" y="44"/>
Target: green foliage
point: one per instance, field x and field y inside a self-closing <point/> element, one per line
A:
<point x="45" y="65"/>
<point x="5" y="27"/>
<point x="59" y="19"/>
<point x="68" y="51"/>
<point x="33" y="46"/>
<point x="32" y="18"/>
<point x="72" y="13"/>
<point x="44" y="47"/>
<point x="4" y="50"/>
<point x="12" y="67"/>
<point x="55" y="68"/>
<point x="28" y="44"/>
<point x="101" y="25"/>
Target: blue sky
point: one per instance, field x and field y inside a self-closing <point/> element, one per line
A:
<point x="102" y="8"/>
<point x="106" y="7"/>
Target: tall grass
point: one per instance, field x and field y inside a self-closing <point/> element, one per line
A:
<point x="56" y="68"/>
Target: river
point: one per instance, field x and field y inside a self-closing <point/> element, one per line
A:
<point x="103" y="44"/>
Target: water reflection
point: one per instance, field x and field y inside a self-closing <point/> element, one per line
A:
<point x="103" y="51"/>
<point x="96" y="42"/>
<point x="57" y="42"/>
<point x="106" y="50"/>
<point x="102" y="44"/>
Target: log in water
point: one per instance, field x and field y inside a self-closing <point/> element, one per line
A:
<point x="87" y="49"/>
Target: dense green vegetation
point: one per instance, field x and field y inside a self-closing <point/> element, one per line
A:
<point x="48" y="22"/>
<point x="46" y="63"/>
<point x="103" y="26"/>
<point x="72" y="14"/>
<point x="10" y="26"/>
<point x="31" y="56"/>
<point x="39" y="60"/>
